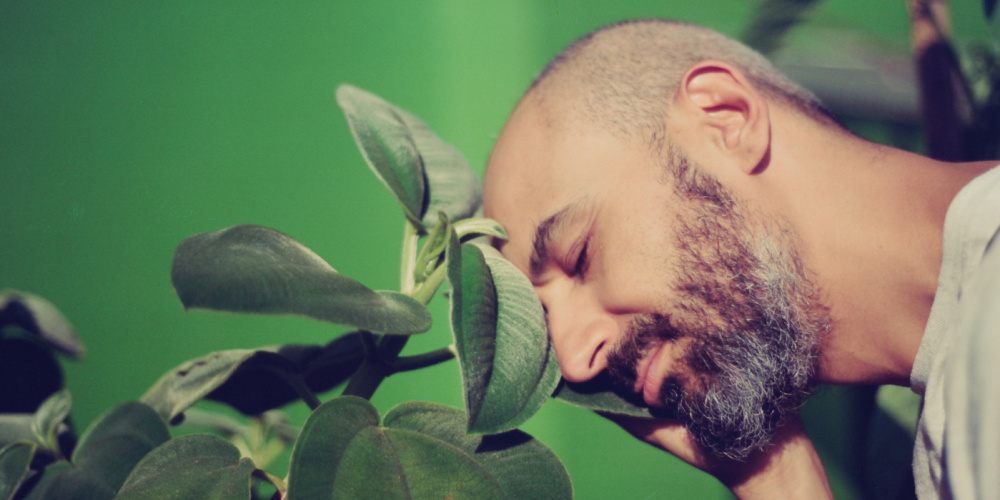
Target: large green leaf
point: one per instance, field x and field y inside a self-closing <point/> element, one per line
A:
<point x="187" y="384"/>
<point x="522" y="465"/>
<point x="255" y="269"/>
<point x="42" y="488"/>
<point x="424" y="173"/>
<point x="508" y="368"/>
<point x="344" y="453"/>
<point x="387" y="145"/>
<point x="14" y="461"/>
<point x="39" y="316"/>
<point x="597" y="394"/>
<point x="194" y="466"/>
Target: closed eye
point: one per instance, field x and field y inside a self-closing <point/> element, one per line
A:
<point x="580" y="268"/>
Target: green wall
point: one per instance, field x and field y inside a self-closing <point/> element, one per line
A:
<point x="128" y="126"/>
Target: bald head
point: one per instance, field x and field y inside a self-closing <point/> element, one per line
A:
<point x="622" y="76"/>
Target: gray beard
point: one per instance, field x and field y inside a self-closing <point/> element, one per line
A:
<point x="750" y="319"/>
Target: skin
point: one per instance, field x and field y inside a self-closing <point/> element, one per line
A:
<point x="866" y="219"/>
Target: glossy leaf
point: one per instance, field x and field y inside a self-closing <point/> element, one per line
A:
<point x="187" y="384"/>
<point x="14" y="461"/>
<point x="255" y="387"/>
<point x="522" y="465"/>
<point x="194" y="466"/>
<point x="598" y="395"/>
<point x="343" y="453"/>
<point x="37" y="315"/>
<point x="255" y="269"/>
<point x="508" y="368"/>
<point x="50" y="416"/>
<point x="424" y="173"/>
<point x="387" y="145"/>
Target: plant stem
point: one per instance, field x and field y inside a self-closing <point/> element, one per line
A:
<point x="372" y="372"/>
<point x="425" y="292"/>
<point x="409" y="363"/>
<point x="411" y="237"/>
<point x="303" y="390"/>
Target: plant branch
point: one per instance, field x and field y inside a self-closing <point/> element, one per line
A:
<point x="303" y="390"/>
<point x="425" y="292"/>
<point x="410" y="363"/>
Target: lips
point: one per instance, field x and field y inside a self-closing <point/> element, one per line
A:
<point x="649" y="377"/>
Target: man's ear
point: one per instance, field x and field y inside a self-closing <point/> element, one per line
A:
<point x="724" y="105"/>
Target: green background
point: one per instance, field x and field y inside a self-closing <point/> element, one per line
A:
<point x="127" y="126"/>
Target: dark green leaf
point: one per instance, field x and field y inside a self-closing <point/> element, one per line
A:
<point x="989" y="7"/>
<point x="50" y="416"/>
<point x="14" y="461"/>
<point x="508" y="368"/>
<point x="255" y="269"/>
<point x="424" y="173"/>
<point x="343" y="453"/>
<point x="597" y="394"/>
<point x="255" y="388"/>
<point x="453" y="188"/>
<point x="190" y="382"/>
<point x="522" y="465"/>
<point x="387" y="145"/>
<point x="116" y="441"/>
<point x="30" y="374"/>
<point x="42" y="486"/>
<point x="39" y="316"/>
<point x="194" y="466"/>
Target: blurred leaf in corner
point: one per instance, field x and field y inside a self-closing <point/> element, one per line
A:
<point x="773" y="20"/>
<point x="989" y="7"/>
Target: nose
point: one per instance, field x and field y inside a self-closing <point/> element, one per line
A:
<point x="582" y="335"/>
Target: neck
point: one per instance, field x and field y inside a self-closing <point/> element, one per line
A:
<point x="870" y="221"/>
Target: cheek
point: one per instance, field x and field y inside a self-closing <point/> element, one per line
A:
<point x="637" y="265"/>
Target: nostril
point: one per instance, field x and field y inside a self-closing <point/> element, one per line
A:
<point x="596" y="363"/>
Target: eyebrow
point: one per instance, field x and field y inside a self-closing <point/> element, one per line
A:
<point x="545" y="233"/>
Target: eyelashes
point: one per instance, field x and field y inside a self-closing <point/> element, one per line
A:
<point x="580" y="268"/>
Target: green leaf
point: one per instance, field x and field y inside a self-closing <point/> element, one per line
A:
<point x="187" y="384"/>
<point x="50" y="416"/>
<point x="453" y="188"/>
<point x="597" y="394"/>
<point x="387" y="145"/>
<point x="14" y="461"/>
<point x="508" y="368"/>
<point x="471" y="228"/>
<point x="44" y="487"/>
<point x="424" y="173"/>
<point x="522" y="465"/>
<point x="255" y="269"/>
<point x="112" y="446"/>
<point x="39" y="316"/>
<point x="343" y="453"/>
<point x="194" y="466"/>
<point x="774" y="19"/>
<point x="16" y="427"/>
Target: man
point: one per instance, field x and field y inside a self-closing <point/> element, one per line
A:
<point x="703" y="232"/>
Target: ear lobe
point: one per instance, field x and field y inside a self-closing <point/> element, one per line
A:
<point x="730" y="110"/>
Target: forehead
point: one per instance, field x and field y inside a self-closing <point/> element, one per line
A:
<point x="541" y="165"/>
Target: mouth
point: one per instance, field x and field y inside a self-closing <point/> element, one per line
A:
<point x="649" y="379"/>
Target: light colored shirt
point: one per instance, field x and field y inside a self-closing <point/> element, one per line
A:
<point x="957" y="368"/>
